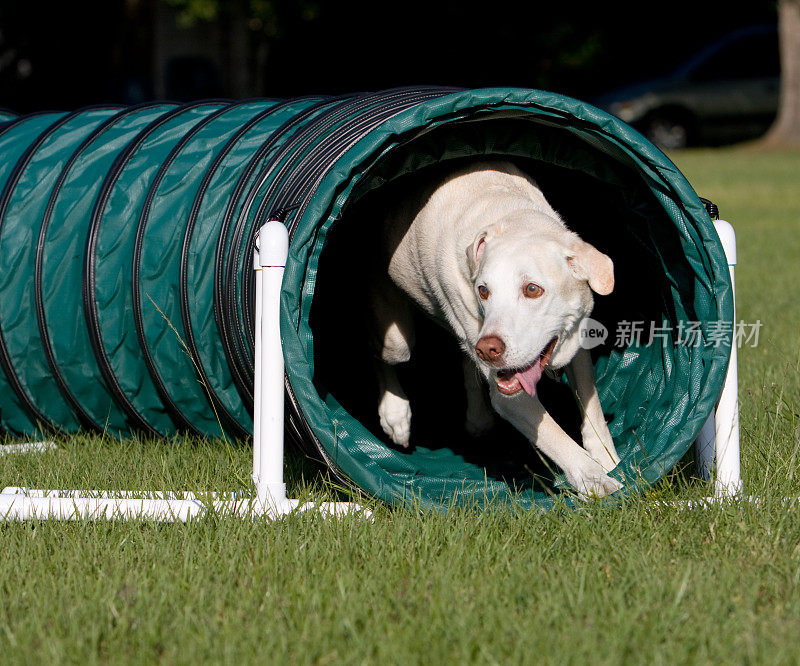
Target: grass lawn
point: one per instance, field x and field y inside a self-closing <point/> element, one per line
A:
<point x="640" y="583"/>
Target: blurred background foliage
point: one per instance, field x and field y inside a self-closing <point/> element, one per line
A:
<point x="56" y="54"/>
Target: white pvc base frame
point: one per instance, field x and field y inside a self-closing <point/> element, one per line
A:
<point x="717" y="445"/>
<point x="270" y="500"/>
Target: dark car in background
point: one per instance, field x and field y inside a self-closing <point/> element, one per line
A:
<point x="726" y="92"/>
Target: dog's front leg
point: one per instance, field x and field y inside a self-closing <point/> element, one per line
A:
<point x="394" y="409"/>
<point x="479" y="418"/>
<point x="594" y="431"/>
<point x="393" y="337"/>
<point x="528" y="416"/>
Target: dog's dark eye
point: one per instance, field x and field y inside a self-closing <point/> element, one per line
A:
<point x="532" y="290"/>
<point x="483" y="291"/>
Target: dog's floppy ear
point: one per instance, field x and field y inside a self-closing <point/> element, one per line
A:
<point x="475" y="251"/>
<point x="587" y="263"/>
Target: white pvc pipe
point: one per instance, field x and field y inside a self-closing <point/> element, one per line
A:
<point x="727" y="448"/>
<point x="124" y="494"/>
<point x="272" y="250"/>
<point x="27" y="447"/>
<point x="257" y="438"/>
<point x="717" y="445"/>
<point x="25" y="504"/>
<point x="24" y="507"/>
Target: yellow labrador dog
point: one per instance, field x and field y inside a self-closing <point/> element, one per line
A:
<point x="483" y="253"/>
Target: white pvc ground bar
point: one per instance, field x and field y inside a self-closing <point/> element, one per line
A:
<point x="27" y="447"/>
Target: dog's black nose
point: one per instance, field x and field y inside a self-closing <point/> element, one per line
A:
<point x="490" y="348"/>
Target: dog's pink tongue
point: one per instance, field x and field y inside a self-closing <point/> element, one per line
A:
<point x="530" y="377"/>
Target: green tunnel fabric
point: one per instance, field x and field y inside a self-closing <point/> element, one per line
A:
<point x="158" y="256"/>
<point x="229" y="180"/>
<point x="27" y="200"/>
<point x="126" y="291"/>
<point x="16" y="138"/>
<point x="109" y="263"/>
<point x="62" y="260"/>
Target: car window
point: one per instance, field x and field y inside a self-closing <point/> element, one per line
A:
<point x="755" y="56"/>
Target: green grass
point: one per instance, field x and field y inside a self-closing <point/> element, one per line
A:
<point x="642" y="582"/>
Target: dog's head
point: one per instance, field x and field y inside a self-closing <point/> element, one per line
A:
<point x="533" y="290"/>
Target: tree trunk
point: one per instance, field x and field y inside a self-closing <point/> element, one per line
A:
<point x="786" y="129"/>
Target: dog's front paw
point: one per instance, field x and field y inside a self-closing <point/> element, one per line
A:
<point x="395" y="417"/>
<point x="590" y="480"/>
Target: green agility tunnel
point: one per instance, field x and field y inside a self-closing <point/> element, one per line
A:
<point x="127" y="294"/>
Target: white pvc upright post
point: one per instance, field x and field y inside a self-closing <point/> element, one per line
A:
<point x="728" y="454"/>
<point x="272" y="248"/>
<point x="718" y="446"/>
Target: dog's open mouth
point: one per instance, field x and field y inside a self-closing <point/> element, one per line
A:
<point x="513" y="380"/>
